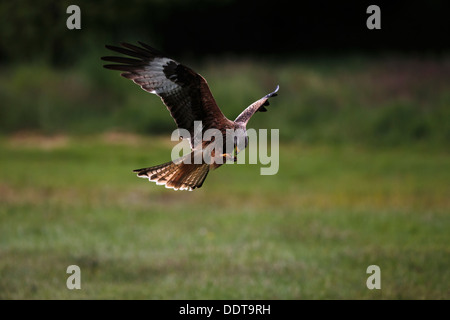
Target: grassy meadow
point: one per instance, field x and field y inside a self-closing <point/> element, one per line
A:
<point x="364" y="179"/>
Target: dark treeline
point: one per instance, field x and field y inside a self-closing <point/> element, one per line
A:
<point x="33" y="30"/>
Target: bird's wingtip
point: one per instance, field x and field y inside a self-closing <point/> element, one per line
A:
<point x="273" y="94"/>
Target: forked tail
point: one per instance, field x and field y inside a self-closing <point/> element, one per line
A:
<point x="179" y="176"/>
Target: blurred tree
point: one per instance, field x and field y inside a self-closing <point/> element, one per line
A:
<point x="33" y="30"/>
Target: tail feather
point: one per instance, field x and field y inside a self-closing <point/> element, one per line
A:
<point x="165" y="174"/>
<point x="179" y="176"/>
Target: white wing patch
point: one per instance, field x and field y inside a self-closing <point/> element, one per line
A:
<point x="153" y="78"/>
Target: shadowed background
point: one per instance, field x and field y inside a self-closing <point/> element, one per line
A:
<point x="364" y="164"/>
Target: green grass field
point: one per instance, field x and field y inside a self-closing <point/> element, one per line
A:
<point x="364" y="175"/>
<point x="309" y="232"/>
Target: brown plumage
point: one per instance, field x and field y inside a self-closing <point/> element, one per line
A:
<point x="187" y="97"/>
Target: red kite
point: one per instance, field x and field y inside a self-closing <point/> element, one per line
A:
<point x="187" y="97"/>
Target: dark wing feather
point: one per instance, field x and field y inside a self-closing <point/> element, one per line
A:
<point x="185" y="93"/>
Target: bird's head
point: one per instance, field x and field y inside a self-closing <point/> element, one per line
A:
<point x="240" y="138"/>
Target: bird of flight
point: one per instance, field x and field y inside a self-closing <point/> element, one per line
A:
<point x="190" y="102"/>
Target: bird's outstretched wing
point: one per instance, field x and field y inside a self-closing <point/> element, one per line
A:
<point x="259" y="105"/>
<point x="185" y="93"/>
